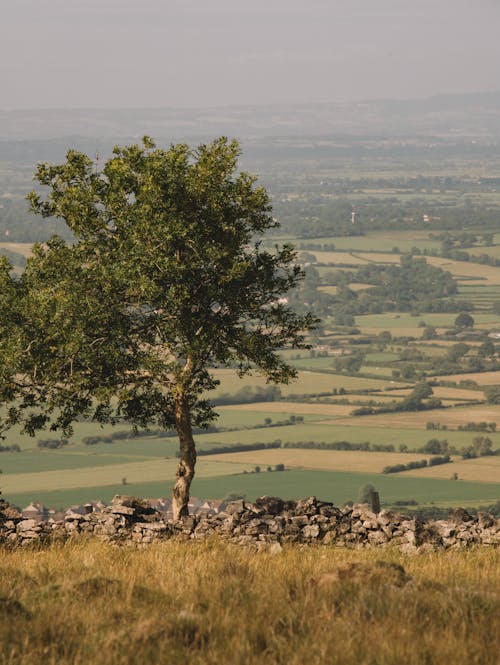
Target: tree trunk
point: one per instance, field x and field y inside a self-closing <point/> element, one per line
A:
<point x="185" y="470"/>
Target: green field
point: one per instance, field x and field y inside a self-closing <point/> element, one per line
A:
<point x="308" y="383"/>
<point x="393" y="321"/>
<point x="379" y="241"/>
<point x="327" y="485"/>
<point x="226" y="419"/>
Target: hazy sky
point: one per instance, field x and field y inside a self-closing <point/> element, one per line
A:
<point x="178" y="53"/>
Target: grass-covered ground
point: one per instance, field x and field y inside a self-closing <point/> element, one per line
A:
<point x="217" y="604"/>
<point x="336" y="486"/>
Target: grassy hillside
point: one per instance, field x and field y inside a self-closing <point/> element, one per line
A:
<point x="216" y="604"/>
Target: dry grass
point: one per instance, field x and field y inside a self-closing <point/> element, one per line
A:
<point x="354" y="461"/>
<point x="216" y="604"/>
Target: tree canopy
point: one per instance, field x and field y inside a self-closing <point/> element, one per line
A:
<point x="166" y="279"/>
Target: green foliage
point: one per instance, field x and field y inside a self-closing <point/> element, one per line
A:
<point x="52" y="444"/>
<point x="412" y="285"/>
<point x="435" y="447"/>
<point x="464" y="320"/>
<point x="364" y="493"/>
<point x="493" y="395"/>
<point x="397" y="468"/>
<point x="249" y="394"/>
<point x="165" y="279"/>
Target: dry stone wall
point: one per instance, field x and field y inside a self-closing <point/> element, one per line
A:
<point x="269" y="522"/>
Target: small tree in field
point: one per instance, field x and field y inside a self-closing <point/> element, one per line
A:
<point x="166" y="278"/>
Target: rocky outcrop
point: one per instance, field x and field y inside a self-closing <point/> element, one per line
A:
<point x="269" y="521"/>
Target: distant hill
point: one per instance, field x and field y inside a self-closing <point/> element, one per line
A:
<point x="460" y="115"/>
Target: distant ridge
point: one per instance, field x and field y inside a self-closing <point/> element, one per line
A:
<point x="470" y="114"/>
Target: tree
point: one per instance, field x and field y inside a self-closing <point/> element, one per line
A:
<point x="464" y="320"/>
<point x="457" y="351"/>
<point x="165" y="279"/>
<point x="365" y="492"/>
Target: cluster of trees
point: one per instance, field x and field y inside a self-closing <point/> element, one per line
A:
<point x="52" y="444"/>
<point x="493" y="395"/>
<point x="478" y="427"/>
<point x="418" y="464"/>
<point x="17" y="260"/>
<point x="13" y="448"/>
<point x="312" y="217"/>
<point x="16" y="225"/>
<point x="481" y="446"/>
<point x="248" y="395"/>
<point x="419" y="399"/>
<point x="240" y="447"/>
<point x="341" y="445"/>
<point x="413" y="285"/>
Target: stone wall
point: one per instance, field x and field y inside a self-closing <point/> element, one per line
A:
<point x="269" y="522"/>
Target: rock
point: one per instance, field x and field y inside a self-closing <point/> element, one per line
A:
<point x="267" y="522"/>
<point x="122" y="510"/>
<point x="272" y="505"/>
<point x="27" y="525"/>
<point x="234" y="507"/>
<point x="459" y="515"/>
<point x="310" y="532"/>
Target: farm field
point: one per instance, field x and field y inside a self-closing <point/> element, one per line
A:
<point x="398" y="320"/>
<point x="481" y="378"/>
<point x="96" y="471"/>
<point x="78" y="473"/>
<point x="482" y="469"/>
<point x="134" y="472"/>
<point x="444" y="393"/>
<point x="381" y="241"/>
<point x="451" y="417"/>
<point x="308" y="383"/>
<point x="237" y="417"/>
<point x="354" y="286"/>
<point x="335" y="486"/>
<point x="326" y="460"/>
<point x="489" y="275"/>
<point x="354" y="258"/>
<point x="331" y="259"/>
<point x="284" y="409"/>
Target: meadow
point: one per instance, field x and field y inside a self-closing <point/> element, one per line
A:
<point x="214" y="604"/>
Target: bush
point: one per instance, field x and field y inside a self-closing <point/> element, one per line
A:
<point x="397" y="468"/>
<point x="52" y="444"/>
<point x="437" y="459"/>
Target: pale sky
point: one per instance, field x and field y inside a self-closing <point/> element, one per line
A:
<point x="202" y="53"/>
